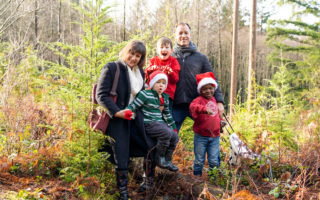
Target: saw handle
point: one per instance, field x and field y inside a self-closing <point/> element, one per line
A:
<point x="228" y="121"/>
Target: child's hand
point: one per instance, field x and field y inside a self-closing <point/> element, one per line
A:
<point x="167" y="70"/>
<point x="209" y="111"/>
<point x="153" y="68"/>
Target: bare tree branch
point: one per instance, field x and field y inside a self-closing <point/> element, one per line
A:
<point x="6" y="23"/>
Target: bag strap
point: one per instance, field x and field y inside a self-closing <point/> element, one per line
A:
<point x="114" y="86"/>
<point x="93" y="95"/>
<point x="115" y="81"/>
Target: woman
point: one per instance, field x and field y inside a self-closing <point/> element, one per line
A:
<point x="129" y="136"/>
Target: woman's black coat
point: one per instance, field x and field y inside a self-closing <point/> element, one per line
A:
<point x="130" y="137"/>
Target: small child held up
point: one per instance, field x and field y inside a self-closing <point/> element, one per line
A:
<point x="167" y="64"/>
<point x="206" y="127"/>
<point x="158" y="122"/>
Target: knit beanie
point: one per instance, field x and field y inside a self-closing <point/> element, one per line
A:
<point x="204" y="79"/>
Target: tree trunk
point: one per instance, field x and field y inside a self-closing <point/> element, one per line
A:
<point x="51" y="19"/>
<point x="198" y="21"/>
<point x="83" y="20"/>
<point x="124" y="20"/>
<point x="59" y="26"/>
<point x="219" y="41"/>
<point x="36" y="22"/>
<point x="233" y="84"/>
<point x="59" y="19"/>
<point x="176" y="12"/>
<point x="251" y="69"/>
<point x="70" y="24"/>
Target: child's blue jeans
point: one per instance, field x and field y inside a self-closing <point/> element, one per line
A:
<point x="203" y="145"/>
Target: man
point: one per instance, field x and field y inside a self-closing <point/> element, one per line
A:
<point x="192" y="62"/>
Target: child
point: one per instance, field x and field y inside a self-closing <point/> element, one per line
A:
<point x="206" y="127"/>
<point x="167" y="64"/>
<point x="154" y="104"/>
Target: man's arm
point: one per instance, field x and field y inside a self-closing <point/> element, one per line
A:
<point x="217" y="93"/>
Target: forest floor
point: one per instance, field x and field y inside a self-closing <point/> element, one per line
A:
<point x="182" y="185"/>
<point x="14" y="187"/>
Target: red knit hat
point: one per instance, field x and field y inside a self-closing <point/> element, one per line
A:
<point x="204" y="79"/>
<point x="155" y="76"/>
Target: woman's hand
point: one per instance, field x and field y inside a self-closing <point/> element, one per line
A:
<point x="120" y="114"/>
<point x="125" y="114"/>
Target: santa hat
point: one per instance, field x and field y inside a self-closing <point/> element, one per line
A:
<point x="155" y="76"/>
<point x="204" y="79"/>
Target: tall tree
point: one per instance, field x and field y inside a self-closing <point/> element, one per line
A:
<point x="9" y="13"/>
<point x="124" y="20"/>
<point x="51" y="18"/>
<point x="219" y="36"/>
<point x="233" y="85"/>
<point x="251" y="69"/>
<point x="85" y="61"/>
<point x="296" y="36"/>
<point x="36" y="22"/>
<point x="59" y="25"/>
<point x="264" y="12"/>
<point x="198" y="21"/>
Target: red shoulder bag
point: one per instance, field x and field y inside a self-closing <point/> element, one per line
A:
<point x="100" y="120"/>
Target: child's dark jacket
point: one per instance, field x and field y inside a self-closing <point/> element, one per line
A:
<point x="204" y="124"/>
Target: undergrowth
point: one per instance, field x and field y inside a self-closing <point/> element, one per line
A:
<point x="44" y="105"/>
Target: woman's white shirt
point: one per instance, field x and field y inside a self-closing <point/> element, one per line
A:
<point x="136" y="81"/>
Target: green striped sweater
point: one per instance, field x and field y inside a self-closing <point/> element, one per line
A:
<point x="149" y="102"/>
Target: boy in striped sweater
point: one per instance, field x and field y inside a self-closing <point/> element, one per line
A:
<point x="159" y="124"/>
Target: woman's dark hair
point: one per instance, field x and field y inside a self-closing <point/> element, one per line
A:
<point x="184" y="24"/>
<point x="134" y="46"/>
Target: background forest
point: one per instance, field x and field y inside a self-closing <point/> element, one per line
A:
<point x="52" y="52"/>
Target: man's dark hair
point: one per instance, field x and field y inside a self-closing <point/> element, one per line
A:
<point x="184" y="24"/>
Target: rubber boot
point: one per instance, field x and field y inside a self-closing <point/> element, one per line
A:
<point x="168" y="156"/>
<point x="160" y="157"/>
<point x="148" y="176"/>
<point x="122" y="183"/>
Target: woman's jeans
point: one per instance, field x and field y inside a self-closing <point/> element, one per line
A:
<point x="203" y="145"/>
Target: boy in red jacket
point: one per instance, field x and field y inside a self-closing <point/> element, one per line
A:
<point x="166" y="63"/>
<point x="206" y="127"/>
